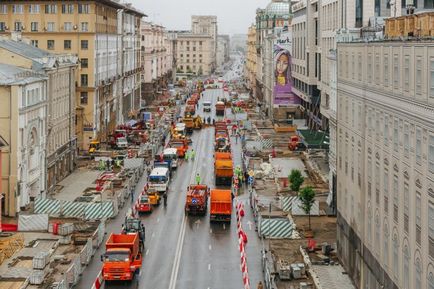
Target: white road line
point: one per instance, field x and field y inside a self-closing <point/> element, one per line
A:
<point x="178" y="252"/>
<point x="210" y="247"/>
<point x="153" y="235"/>
<point x="210" y="231"/>
<point x="147" y="252"/>
<point x="158" y="220"/>
<point x="209" y="267"/>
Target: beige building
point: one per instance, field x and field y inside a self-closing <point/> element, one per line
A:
<point x="23" y="122"/>
<point x="193" y="53"/>
<point x="207" y="25"/>
<point x="157" y="60"/>
<point x="60" y="71"/>
<point x="223" y="46"/>
<point x="104" y="35"/>
<point x="385" y="168"/>
<point x="250" y="68"/>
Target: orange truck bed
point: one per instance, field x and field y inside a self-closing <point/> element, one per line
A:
<point x="220" y="205"/>
<point x="131" y="242"/>
<point x="223" y="168"/>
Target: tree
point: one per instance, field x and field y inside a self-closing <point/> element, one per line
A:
<point x="296" y="180"/>
<point x="307" y="198"/>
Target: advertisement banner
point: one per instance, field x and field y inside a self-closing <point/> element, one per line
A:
<point x="283" y="81"/>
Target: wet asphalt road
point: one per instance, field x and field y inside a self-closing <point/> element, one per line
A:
<point x="189" y="252"/>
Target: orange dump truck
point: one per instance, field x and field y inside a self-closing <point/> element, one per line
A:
<point x="223" y="168"/>
<point x="197" y="199"/>
<point x="220" y="205"/>
<point x="190" y="109"/>
<point x="220" y="108"/>
<point x="122" y="258"/>
<point x="181" y="146"/>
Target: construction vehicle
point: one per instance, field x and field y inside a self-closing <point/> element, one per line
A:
<point x="143" y="204"/>
<point x="220" y="108"/>
<point x="222" y="144"/>
<point x="122" y="258"/>
<point x="206" y="106"/>
<point x="170" y="155"/>
<point x="190" y="110"/>
<point x="220" y="205"/>
<point x="197" y="199"/>
<point x="223" y="168"/>
<point x="94" y="145"/>
<point x="159" y="179"/>
<point x="154" y="197"/>
<point x="192" y="123"/>
<point x="118" y="139"/>
<point x="133" y="225"/>
<point x="181" y="146"/>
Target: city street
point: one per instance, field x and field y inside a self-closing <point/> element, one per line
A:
<point x="189" y="252"/>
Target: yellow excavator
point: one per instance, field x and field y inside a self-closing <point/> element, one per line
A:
<point x="192" y="123"/>
<point x="94" y="145"/>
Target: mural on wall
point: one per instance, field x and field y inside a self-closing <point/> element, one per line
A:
<point x="283" y="81"/>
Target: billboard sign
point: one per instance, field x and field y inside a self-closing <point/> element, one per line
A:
<point x="283" y="81"/>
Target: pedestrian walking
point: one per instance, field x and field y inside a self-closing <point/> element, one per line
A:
<point x="165" y="199"/>
<point x="236" y="138"/>
<point x="132" y="196"/>
<point x="213" y="121"/>
<point x="198" y="179"/>
<point x="187" y="153"/>
<point x="209" y="120"/>
<point x="192" y="154"/>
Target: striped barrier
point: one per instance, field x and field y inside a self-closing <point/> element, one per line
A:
<point x="73" y="209"/>
<point x="47" y="206"/>
<point x="242" y="241"/>
<point x="98" y="281"/>
<point x="275" y="228"/>
<point x="96" y="211"/>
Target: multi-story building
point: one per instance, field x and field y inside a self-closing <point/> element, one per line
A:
<point x="3" y="146"/>
<point x="207" y="25"/>
<point x="105" y="36"/>
<point x="250" y="68"/>
<point x="385" y="167"/>
<point x="238" y="42"/>
<point x="60" y="71"/>
<point x="222" y="49"/>
<point x="156" y="60"/>
<point x="23" y="125"/>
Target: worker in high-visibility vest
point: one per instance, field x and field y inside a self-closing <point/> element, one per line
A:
<point x="198" y="179"/>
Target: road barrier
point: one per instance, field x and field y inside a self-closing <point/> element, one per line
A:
<point x="242" y="241"/>
<point x="98" y="281"/>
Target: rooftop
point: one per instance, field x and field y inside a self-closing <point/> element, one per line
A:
<point x="278" y="8"/>
<point x="14" y="75"/>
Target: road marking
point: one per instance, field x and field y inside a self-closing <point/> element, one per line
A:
<point x="224" y="226"/>
<point x="158" y="220"/>
<point x="153" y="235"/>
<point x="250" y="225"/>
<point x="210" y="231"/>
<point x="210" y="247"/>
<point x="178" y="252"/>
<point x="209" y="267"/>
<point x="147" y="252"/>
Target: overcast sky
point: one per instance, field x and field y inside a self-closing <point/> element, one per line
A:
<point x="233" y="16"/>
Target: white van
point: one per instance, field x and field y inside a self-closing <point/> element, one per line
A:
<point x="171" y="155"/>
<point x="159" y="179"/>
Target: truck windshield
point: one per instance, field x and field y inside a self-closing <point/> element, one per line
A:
<point x="144" y="200"/>
<point x="133" y="224"/>
<point x="157" y="179"/>
<point x="177" y="145"/>
<point x="169" y="157"/>
<point x="116" y="256"/>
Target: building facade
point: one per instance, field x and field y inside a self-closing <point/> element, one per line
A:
<point x="93" y="30"/>
<point x="250" y="68"/>
<point x="223" y="46"/>
<point x="23" y="125"/>
<point x="207" y="25"/>
<point x="156" y="60"/>
<point x="385" y="167"/>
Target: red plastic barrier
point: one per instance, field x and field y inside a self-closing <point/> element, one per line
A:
<point x="9" y="227"/>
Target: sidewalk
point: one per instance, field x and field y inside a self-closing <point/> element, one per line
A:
<point x="74" y="185"/>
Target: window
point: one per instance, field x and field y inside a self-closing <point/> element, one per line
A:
<point x="418" y="218"/>
<point x="34" y="43"/>
<point x="418" y="275"/>
<point x="418" y="146"/>
<point x="67" y="26"/>
<point x="2" y="26"/>
<point x="83" y="8"/>
<point x="34" y="26"/>
<point x="84" y="63"/>
<point x="431" y="229"/>
<point x="395" y="71"/>
<point x="419" y="75"/>
<point x="18" y="8"/>
<point x="386" y="70"/>
<point x="34" y="8"/>
<point x="51" y="26"/>
<point x="431" y="278"/>
<point x="3" y="9"/>
<point x="18" y="26"/>
<point x="406" y="268"/>
<point x="395" y="135"/>
<point x="84" y="44"/>
<point x="67" y="8"/>
<point x="406" y="140"/>
<point x="50" y="44"/>
<point x="84" y="26"/>
<point x="83" y="79"/>
<point x="431" y="154"/>
<point x="83" y="97"/>
<point x="359" y="71"/>
<point x="50" y="9"/>
<point x="67" y="44"/>
<point x="395" y="256"/>
<point x="386" y="130"/>
<point x="406" y="72"/>
<point x="386" y="192"/>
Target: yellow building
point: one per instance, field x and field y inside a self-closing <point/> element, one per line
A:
<point x="108" y="78"/>
<point x="250" y="72"/>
